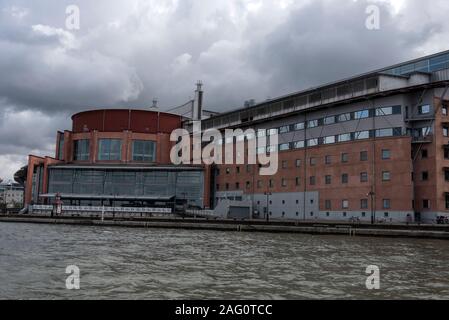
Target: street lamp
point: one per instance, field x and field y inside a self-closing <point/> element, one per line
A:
<point x="373" y="214"/>
<point x="268" y="194"/>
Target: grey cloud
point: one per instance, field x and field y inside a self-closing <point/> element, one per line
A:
<point x="128" y="52"/>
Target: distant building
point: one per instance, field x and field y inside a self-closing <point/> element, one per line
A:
<point x="11" y="195"/>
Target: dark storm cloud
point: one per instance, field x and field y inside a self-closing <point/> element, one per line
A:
<point x="128" y="52"/>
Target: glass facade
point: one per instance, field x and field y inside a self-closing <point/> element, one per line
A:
<point x="109" y="149"/>
<point x="433" y="64"/>
<point x="81" y="150"/>
<point x="61" y="147"/>
<point x="186" y="185"/>
<point x="144" y="151"/>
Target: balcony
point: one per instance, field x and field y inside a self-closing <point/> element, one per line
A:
<point x="418" y="119"/>
<point x="422" y="140"/>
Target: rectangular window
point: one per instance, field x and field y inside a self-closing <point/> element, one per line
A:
<point x="344" y="117"/>
<point x="81" y="150"/>
<point x="110" y="149"/>
<point x="364" y="156"/>
<point x="446" y="153"/>
<point x="382" y="133"/>
<point x="364" y="204"/>
<point x="328" y="160"/>
<point x="361" y="114"/>
<point x="329" y="120"/>
<point x="271" y="183"/>
<point x="284" y="129"/>
<point x="344" y="157"/>
<point x="144" y="151"/>
<point x="312" y="161"/>
<point x="329" y="140"/>
<point x="299" y="145"/>
<point x="61" y="147"/>
<point x="446" y="131"/>
<point x="259" y="184"/>
<point x="312" y="124"/>
<point x="298" y="163"/>
<point x="386" y="176"/>
<point x="299" y="126"/>
<point x="328" y="179"/>
<point x="362" y="135"/>
<point x="444" y="110"/>
<point x="386" y="154"/>
<point x="284" y="164"/>
<point x="284" y="183"/>
<point x="312" y="142"/>
<point x="284" y="147"/>
<point x="446" y="175"/>
<point x="312" y="181"/>
<point x="387" y="111"/>
<point x="345" y="204"/>
<point x="344" y="137"/>
<point x="364" y="177"/>
<point x="328" y="205"/>
<point x="426" y="204"/>
<point x="386" y="204"/>
<point x="344" y="178"/>
<point x="446" y="198"/>
<point x="298" y="181"/>
<point x="425" y="176"/>
<point x="425" y="109"/>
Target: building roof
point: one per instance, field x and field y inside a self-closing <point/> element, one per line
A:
<point x="368" y="81"/>
<point x="128" y="167"/>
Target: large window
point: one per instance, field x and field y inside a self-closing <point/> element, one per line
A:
<point x="61" y="147"/>
<point x="361" y="114"/>
<point x="312" y="124"/>
<point x="344" y="137"/>
<point x="110" y="149"/>
<point x="329" y="120"/>
<point x="344" y="117"/>
<point x="425" y="109"/>
<point x="144" y="151"/>
<point x="329" y="140"/>
<point x="81" y="150"/>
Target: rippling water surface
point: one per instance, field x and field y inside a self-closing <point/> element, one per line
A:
<point x="176" y="264"/>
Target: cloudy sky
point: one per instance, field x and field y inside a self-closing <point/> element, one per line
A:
<point x="126" y="52"/>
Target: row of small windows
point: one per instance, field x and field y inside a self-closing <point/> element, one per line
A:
<point x="360" y="135"/>
<point x="364" y="204"/>
<point x="111" y="150"/>
<point x="341" y="118"/>
<point x="364" y="177"/>
<point x="344" y="158"/>
<point x="345" y="204"/>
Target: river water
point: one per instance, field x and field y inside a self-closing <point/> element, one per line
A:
<point x="177" y="264"/>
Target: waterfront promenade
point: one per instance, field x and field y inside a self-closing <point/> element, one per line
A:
<point x="350" y="229"/>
